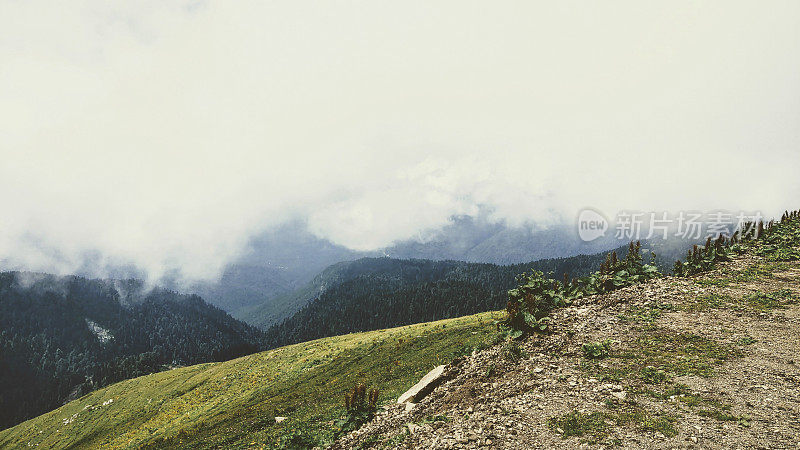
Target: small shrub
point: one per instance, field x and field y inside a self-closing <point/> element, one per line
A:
<point x="505" y="333"/>
<point x="747" y="340"/>
<point x="706" y="302"/>
<point x="397" y="439"/>
<point x="723" y="415"/>
<point x="703" y="259"/>
<point x="530" y="303"/>
<point x="642" y="314"/>
<point x="617" y="273"/>
<point x="360" y="406"/>
<point x="644" y="421"/>
<point x="776" y="253"/>
<point x="597" y="350"/>
<point x="576" y="423"/>
<point x="653" y="375"/>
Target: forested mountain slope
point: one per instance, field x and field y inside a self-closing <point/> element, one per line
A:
<point x="61" y="337"/>
<point x="373" y="293"/>
<point x="383" y="276"/>
<point x="287" y="259"/>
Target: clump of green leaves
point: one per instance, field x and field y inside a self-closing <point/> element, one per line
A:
<point x="434" y="419"/>
<point x="576" y="423"/>
<point x="776" y="241"/>
<point x="653" y="375"/>
<point x="297" y="438"/>
<point x="397" y="439"/>
<point x="646" y="421"/>
<point x="770" y="300"/>
<point x="597" y="350"/>
<point x="658" y="355"/>
<point x="360" y="406"/>
<point x="681" y="353"/>
<point x="703" y="259"/>
<point x="647" y="314"/>
<point x="617" y="273"/>
<point x="596" y="424"/>
<point x="531" y="302"/>
<point x="724" y="415"/>
<point x="747" y="340"/>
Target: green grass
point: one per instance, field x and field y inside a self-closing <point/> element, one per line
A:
<point x="657" y="355"/>
<point x="233" y="404"/>
<point x="596" y="426"/>
<point x="597" y="350"/>
<point x="770" y="300"/>
<point x="576" y="423"/>
<point x="705" y="302"/>
<point x="682" y="353"/>
<point x="747" y="340"/>
<point x="760" y="271"/>
<point x="649" y="422"/>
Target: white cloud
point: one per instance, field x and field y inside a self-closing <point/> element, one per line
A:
<point x="164" y="134"/>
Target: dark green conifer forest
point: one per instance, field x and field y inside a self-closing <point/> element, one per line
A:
<point x="61" y="337"/>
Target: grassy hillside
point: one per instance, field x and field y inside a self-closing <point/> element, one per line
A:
<point x="233" y="404"/>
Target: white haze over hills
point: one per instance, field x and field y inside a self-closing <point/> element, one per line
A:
<point x="161" y="138"/>
<point x="285" y="259"/>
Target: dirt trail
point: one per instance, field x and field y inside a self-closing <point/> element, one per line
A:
<point x="706" y="362"/>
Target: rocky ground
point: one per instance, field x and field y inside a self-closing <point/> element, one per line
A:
<point x="704" y="362"/>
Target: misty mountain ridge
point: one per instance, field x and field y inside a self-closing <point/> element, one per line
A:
<point x="285" y="259"/>
<point x="381" y="284"/>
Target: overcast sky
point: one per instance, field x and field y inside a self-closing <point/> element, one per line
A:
<point x="165" y="134"/>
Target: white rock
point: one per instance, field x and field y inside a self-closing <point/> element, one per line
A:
<point x="279" y="419"/>
<point x="424" y="386"/>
